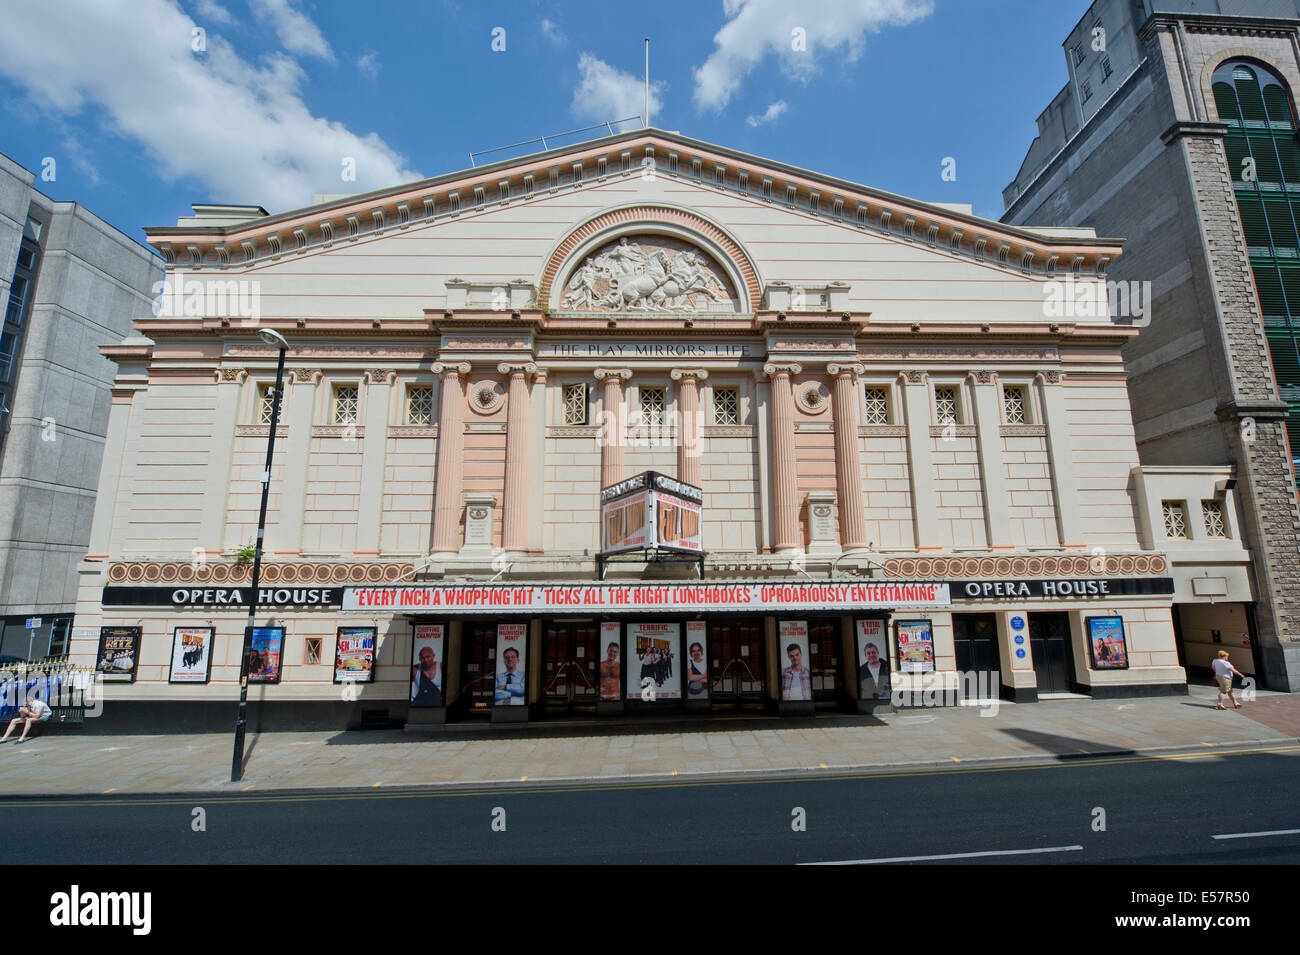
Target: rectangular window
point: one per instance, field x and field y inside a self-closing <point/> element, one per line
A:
<point x="1078" y="54"/>
<point x="947" y="409"/>
<point x="1175" y="519"/>
<point x="726" y="406"/>
<point x="1013" y="405"/>
<point x="1105" y="68"/>
<point x="653" y="404"/>
<point x="419" y="405"/>
<point x="312" y="650"/>
<point x="345" y="404"/>
<point x="7" y="342"/>
<point x="877" y="407"/>
<point x="1212" y="513"/>
<point x="1085" y="91"/>
<point x="265" y="402"/>
<point x="574" y="400"/>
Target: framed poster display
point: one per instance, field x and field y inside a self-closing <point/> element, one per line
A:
<point x="191" y="655"/>
<point x="696" y="664"/>
<point x="512" y="664"/>
<point x="265" y="651"/>
<point x="354" y="655"/>
<point x="654" y="670"/>
<point x="119" y="653"/>
<point x="427" y="661"/>
<point x="915" y="639"/>
<point x="1107" y="644"/>
<point x="611" y="662"/>
<point x="873" y="659"/>
<point x="796" y="676"/>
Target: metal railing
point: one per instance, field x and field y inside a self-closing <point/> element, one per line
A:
<point x="609" y="126"/>
<point x="56" y="682"/>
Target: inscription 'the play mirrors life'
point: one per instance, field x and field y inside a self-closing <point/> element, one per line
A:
<point x="648" y="274"/>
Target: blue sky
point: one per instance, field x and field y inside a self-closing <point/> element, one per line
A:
<point x="139" y="124"/>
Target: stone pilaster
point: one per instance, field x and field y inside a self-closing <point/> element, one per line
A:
<point x="690" y="438"/>
<point x="1060" y="459"/>
<point x="920" y="461"/>
<point x="296" y="413"/>
<point x="374" y="449"/>
<point x="514" y="531"/>
<point x="613" y="428"/>
<point x="848" y="462"/>
<point x="451" y="444"/>
<point x="993" y="469"/>
<point x="785" y="485"/>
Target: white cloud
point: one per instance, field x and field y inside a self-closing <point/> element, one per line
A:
<point x="213" y="11"/>
<point x="241" y="130"/>
<point x="369" y="64"/>
<point x="757" y="28"/>
<point x="295" y="29"/>
<point x="553" y="33"/>
<point x="771" y="113"/>
<point x="605" y="93"/>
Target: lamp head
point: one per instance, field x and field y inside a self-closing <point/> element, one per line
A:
<point x="272" y="337"/>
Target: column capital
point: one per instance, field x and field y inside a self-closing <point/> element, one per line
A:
<point x="451" y="370"/>
<point x="1050" y="377"/>
<point x="855" y="370"/>
<point x="772" y="369"/>
<point x="234" y="376"/>
<point x="516" y="368"/>
<point x="983" y="377"/>
<point x="622" y="373"/>
<point x="913" y="378"/>
<point x="378" y="376"/>
<point x="690" y="374"/>
<point x="302" y="375"/>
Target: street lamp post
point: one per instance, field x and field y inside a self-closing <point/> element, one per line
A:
<point x="237" y="760"/>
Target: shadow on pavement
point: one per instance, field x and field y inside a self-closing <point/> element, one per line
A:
<point x="1067" y="747"/>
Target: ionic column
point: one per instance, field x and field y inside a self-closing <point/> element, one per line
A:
<point x="1060" y="456"/>
<point x="451" y="444"/>
<point x="612" y="429"/>
<point x="848" y="462"/>
<point x="785" y="487"/>
<point x="690" y="447"/>
<point x="514" y="531"/>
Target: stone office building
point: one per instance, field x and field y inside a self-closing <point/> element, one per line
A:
<point x="68" y="283"/>
<point x="892" y="445"/>
<point x="1179" y="133"/>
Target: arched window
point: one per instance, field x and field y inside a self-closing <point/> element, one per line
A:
<point x="1264" y="156"/>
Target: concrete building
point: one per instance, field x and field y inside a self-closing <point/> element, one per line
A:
<point x="69" y="282"/>
<point x="508" y="387"/>
<point x="1187" y="147"/>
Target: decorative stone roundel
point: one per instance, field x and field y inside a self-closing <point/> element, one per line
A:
<point x="813" y="397"/>
<point x="486" y="397"/>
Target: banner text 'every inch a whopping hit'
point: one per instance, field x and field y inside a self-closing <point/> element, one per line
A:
<point x="682" y="597"/>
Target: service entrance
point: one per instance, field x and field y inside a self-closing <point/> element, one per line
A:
<point x="975" y="641"/>
<point x="736" y="668"/>
<point x="569" y="665"/>
<point x="1049" y="642"/>
<point x="824" y="660"/>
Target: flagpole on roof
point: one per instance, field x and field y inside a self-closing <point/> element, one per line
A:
<point x="647" y="82"/>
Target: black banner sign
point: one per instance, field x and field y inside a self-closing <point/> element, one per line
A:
<point x="1057" y="587"/>
<point x="222" y="596"/>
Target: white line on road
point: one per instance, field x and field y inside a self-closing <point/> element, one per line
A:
<point x="954" y="855"/>
<point x="1255" y="835"/>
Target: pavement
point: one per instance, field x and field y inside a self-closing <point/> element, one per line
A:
<point x="70" y="764"/>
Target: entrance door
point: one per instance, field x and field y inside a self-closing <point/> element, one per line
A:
<point x="1049" y="641"/>
<point x="569" y="662"/>
<point x="736" y="663"/>
<point x="478" y="650"/>
<point x="824" y="660"/>
<point x="975" y="641"/>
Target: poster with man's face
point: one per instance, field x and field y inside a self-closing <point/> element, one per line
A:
<point x="696" y="665"/>
<point x="191" y="654"/>
<point x="426" y="665"/>
<point x="654" y="666"/>
<point x="873" y="659"/>
<point x="792" y="644"/>
<point x="512" y="649"/>
<point x="611" y="662"/>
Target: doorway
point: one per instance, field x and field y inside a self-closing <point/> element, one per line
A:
<point x="975" y="642"/>
<point x="1049" y="642"/>
<point x="478" y="650"/>
<point x="569" y="666"/>
<point x="824" y="660"/>
<point x="736" y="664"/>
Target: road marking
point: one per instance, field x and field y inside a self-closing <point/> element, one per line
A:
<point x="674" y="772"/>
<point x="953" y="855"/>
<point x="246" y="789"/>
<point x="523" y="779"/>
<point x="824" y="766"/>
<point x="954" y="759"/>
<point x="1203" y="743"/>
<point x="486" y="788"/>
<point x="1085" y="752"/>
<point x="1256" y="835"/>
<point x="377" y="785"/>
<point x="107" y="791"/>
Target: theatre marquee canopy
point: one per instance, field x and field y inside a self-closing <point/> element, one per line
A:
<point x="640" y="598"/>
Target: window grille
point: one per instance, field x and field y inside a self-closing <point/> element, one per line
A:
<point x="1175" y="520"/>
<point x="266" y="404"/>
<point x="726" y="406"/>
<point x="945" y="405"/>
<point x="575" y="404"/>
<point x="877" y="411"/>
<point x="1013" y="405"/>
<point x="653" y="403"/>
<point x="345" y="404"/>
<point x="1212" y="512"/>
<point x="419" y="405"/>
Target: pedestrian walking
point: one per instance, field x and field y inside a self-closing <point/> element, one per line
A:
<point x="1223" y="674"/>
<point x="32" y="711"/>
